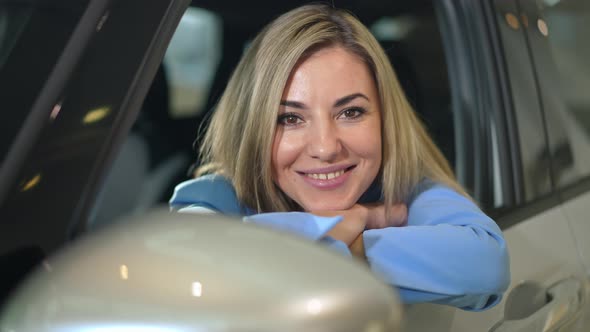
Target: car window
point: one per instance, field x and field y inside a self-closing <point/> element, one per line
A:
<point x="203" y="53"/>
<point x="103" y="87"/>
<point x="12" y="21"/>
<point x="565" y="25"/>
<point x="29" y="48"/>
<point x="421" y="69"/>
<point x="526" y="137"/>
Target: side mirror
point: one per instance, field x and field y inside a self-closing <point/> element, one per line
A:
<point x="183" y="272"/>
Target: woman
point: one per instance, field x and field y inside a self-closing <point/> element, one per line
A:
<point x="313" y="134"/>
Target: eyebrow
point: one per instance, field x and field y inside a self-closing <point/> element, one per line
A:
<point x="340" y="102"/>
<point x="347" y="99"/>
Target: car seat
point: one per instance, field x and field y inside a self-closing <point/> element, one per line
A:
<point x="151" y="160"/>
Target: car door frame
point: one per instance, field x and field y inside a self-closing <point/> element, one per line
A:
<point x="31" y="233"/>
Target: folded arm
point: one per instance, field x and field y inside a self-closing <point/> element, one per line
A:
<point x="449" y="252"/>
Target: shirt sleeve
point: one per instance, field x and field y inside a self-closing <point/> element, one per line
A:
<point x="450" y="252"/>
<point x="305" y="225"/>
<point x="212" y="192"/>
<point x="302" y="224"/>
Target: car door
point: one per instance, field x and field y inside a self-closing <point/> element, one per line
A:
<point x="504" y="145"/>
<point x="561" y="52"/>
<point x="73" y="75"/>
<point x="558" y="51"/>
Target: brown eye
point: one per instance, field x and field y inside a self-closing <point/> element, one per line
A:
<point x="289" y="119"/>
<point x="352" y="113"/>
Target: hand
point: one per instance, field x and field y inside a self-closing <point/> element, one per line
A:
<point x="377" y="219"/>
<point x="352" y="225"/>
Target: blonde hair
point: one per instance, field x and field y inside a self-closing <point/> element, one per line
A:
<point x="238" y="141"/>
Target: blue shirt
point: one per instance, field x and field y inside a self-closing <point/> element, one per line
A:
<point x="449" y="252"/>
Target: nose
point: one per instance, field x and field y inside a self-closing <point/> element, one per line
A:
<point x="324" y="142"/>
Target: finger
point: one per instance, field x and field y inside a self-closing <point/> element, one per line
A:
<point x="399" y="215"/>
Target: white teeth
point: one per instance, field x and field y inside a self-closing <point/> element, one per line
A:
<point x="325" y="176"/>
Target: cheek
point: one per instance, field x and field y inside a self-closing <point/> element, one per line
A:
<point x="377" y="141"/>
<point x="377" y="146"/>
<point x="366" y="143"/>
<point x="285" y="150"/>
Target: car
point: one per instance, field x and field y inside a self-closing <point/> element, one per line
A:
<point x="103" y="99"/>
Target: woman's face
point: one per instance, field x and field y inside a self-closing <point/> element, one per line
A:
<point x="327" y="146"/>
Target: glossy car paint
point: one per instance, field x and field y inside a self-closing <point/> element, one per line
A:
<point x="174" y="272"/>
<point x="533" y="260"/>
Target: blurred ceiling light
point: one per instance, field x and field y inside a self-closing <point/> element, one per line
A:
<point x="34" y="181"/>
<point x="393" y="28"/>
<point x="96" y="115"/>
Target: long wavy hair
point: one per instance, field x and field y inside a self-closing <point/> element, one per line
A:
<point x="238" y="141"/>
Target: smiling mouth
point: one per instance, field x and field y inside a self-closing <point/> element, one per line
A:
<point x="328" y="176"/>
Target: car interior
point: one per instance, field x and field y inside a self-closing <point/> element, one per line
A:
<point x="162" y="148"/>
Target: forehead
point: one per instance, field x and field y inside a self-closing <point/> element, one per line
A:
<point x="332" y="69"/>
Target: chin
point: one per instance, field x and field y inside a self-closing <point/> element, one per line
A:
<point x="329" y="206"/>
